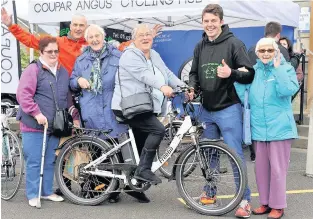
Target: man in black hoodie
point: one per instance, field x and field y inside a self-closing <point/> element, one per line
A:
<point x="214" y="70"/>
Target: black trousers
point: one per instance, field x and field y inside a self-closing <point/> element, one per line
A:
<point x="148" y="130"/>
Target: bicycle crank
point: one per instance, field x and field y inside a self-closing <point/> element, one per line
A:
<point x="135" y="184"/>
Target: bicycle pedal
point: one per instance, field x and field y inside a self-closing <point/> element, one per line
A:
<point x="98" y="187"/>
<point x="165" y="164"/>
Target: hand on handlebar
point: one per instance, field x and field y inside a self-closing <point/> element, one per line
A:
<point x="167" y="91"/>
<point x="191" y="94"/>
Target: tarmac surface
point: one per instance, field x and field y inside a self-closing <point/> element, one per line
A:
<point x="165" y="201"/>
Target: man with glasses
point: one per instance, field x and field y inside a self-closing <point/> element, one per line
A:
<point x="214" y="70"/>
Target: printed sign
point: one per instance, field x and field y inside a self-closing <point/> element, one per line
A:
<point x="9" y="55"/>
<point x="304" y="20"/>
<point x="61" y="10"/>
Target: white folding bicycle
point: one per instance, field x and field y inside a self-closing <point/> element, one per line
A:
<point x="90" y="167"/>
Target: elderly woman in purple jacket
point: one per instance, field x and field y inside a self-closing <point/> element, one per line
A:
<point x="94" y="76"/>
<point x="37" y="107"/>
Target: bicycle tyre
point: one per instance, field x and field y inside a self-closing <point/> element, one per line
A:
<point x="168" y="173"/>
<point x="59" y="170"/>
<point x="21" y="158"/>
<point x="242" y="172"/>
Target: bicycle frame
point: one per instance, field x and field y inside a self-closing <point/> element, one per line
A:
<point x="5" y="139"/>
<point x="5" y="127"/>
<point x="185" y="128"/>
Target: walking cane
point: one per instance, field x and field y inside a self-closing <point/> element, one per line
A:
<point x="42" y="163"/>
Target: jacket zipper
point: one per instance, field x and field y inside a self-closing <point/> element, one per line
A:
<point x="265" y="82"/>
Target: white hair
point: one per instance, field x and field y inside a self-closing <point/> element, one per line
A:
<point x="266" y="41"/>
<point x="95" y="26"/>
<point x="137" y="27"/>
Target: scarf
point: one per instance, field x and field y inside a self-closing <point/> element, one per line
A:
<point x="95" y="76"/>
<point x="52" y="69"/>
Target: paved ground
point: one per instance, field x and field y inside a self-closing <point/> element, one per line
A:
<point x="165" y="202"/>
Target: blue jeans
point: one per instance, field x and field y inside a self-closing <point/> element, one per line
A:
<point x="228" y="123"/>
<point x="32" y="148"/>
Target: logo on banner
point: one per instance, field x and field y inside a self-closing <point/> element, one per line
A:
<point x="9" y="56"/>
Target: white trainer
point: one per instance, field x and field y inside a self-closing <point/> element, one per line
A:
<point x="33" y="202"/>
<point x="53" y="197"/>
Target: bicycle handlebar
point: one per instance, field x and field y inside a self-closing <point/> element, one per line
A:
<point x="182" y="89"/>
<point x="8" y="105"/>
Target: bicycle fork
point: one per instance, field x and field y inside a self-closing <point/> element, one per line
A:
<point x="202" y="160"/>
<point x="7" y="159"/>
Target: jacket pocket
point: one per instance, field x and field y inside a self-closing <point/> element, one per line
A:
<point x="279" y="126"/>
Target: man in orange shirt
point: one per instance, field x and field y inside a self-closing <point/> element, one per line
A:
<point x="70" y="46"/>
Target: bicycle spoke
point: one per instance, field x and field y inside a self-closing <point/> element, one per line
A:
<point x="12" y="165"/>
<point x="79" y="185"/>
<point x="215" y="186"/>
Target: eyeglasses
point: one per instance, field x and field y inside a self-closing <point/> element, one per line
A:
<point x="50" y="52"/>
<point x="266" y="50"/>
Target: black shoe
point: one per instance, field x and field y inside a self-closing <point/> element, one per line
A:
<point x="58" y="192"/>
<point x="114" y="198"/>
<point x="147" y="176"/>
<point x="140" y="196"/>
<point x="143" y="171"/>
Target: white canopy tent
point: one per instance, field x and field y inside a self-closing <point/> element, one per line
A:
<point x="174" y="14"/>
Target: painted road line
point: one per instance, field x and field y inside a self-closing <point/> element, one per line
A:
<point x="255" y="194"/>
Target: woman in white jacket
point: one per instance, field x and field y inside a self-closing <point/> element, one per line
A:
<point x="141" y="69"/>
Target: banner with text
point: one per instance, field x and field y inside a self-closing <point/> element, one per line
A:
<point x="111" y="34"/>
<point x="9" y="55"/>
<point x="60" y="10"/>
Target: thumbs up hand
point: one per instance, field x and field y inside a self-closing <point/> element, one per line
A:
<point x="223" y="71"/>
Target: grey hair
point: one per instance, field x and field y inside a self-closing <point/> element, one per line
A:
<point x="97" y="27"/>
<point x="80" y="16"/>
<point x="137" y="27"/>
<point x="266" y="41"/>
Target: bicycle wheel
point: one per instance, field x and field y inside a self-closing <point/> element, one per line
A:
<point x="12" y="167"/>
<point x="167" y="167"/>
<point x="226" y="190"/>
<point x="78" y="186"/>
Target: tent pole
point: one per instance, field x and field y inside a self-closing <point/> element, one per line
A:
<point x="309" y="160"/>
<point x="310" y="68"/>
<point x="31" y="50"/>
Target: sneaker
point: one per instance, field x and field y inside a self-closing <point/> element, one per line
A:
<point x="276" y="214"/>
<point x="206" y="200"/>
<point x="53" y="197"/>
<point x="33" y="202"/>
<point x="244" y="210"/>
<point x="263" y="209"/>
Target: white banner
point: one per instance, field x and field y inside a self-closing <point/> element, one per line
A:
<point x="9" y="55"/>
<point x="60" y="10"/>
